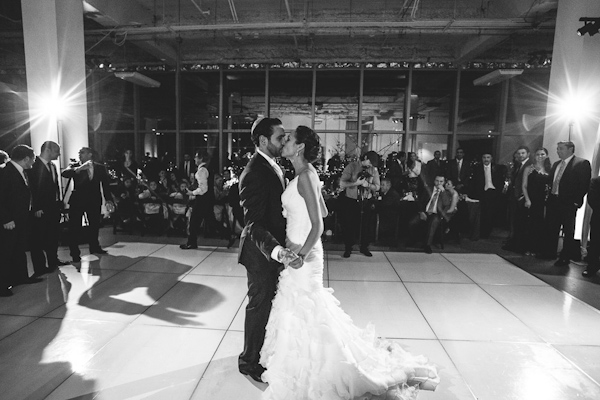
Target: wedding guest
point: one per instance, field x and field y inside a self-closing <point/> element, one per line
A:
<point x="436" y="210"/>
<point x="535" y="186"/>
<point x="388" y="208"/>
<point x="518" y="213"/>
<point x="570" y="182"/>
<point x="485" y="188"/>
<point x="128" y="167"/>
<point x="360" y="180"/>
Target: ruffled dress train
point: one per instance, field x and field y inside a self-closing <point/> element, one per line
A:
<point x="312" y="349"/>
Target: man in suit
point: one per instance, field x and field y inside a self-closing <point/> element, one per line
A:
<point x="396" y="169"/>
<point x="570" y="182"/>
<point x="388" y="208"/>
<point x="90" y="180"/>
<point x="46" y="209"/>
<point x="518" y="213"/>
<point x="486" y="186"/>
<point x="15" y="205"/>
<point x="260" y="251"/>
<point x="435" y="210"/>
<point x="435" y="167"/>
<point x="459" y="172"/>
<point x="593" y="200"/>
<point x="187" y="168"/>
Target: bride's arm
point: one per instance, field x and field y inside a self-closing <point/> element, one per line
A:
<point x="308" y="187"/>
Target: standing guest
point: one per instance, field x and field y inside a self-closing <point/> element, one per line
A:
<point x="486" y="187"/>
<point x="594" y="253"/>
<point x="360" y="180"/>
<point x="46" y="207"/>
<point x="396" y="168"/>
<point x="516" y="203"/>
<point x="436" y="210"/>
<point x="128" y="167"/>
<point x="435" y="167"/>
<point x="570" y="183"/>
<point x="15" y="205"/>
<point x="187" y="167"/>
<point x="536" y="184"/>
<point x="413" y="178"/>
<point x="90" y="183"/>
<point x="202" y="210"/>
<point x="388" y="208"/>
<point x="458" y="171"/>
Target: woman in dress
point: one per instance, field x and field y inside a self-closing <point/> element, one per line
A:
<point x="312" y="350"/>
<point x="536" y="183"/>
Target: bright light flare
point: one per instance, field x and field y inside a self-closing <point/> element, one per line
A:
<point x="574" y="108"/>
<point x="53" y="106"/>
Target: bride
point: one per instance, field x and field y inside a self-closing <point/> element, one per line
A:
<point x="312" y="350"/>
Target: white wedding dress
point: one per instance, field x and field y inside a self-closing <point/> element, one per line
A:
<point x="312" y="350"/>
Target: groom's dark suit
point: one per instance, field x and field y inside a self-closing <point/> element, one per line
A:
<point x="260" y="196"/>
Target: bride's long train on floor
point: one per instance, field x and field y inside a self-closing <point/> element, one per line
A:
<point x="313" y="350"/>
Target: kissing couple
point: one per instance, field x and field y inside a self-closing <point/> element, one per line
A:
<point x="296" y="336"/>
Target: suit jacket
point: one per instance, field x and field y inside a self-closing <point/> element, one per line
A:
<point x="517" y="179"/>
<point x="14" y="198"/>
<point x="193" y="168"/>
<point x="443" y="204"/>
<point x="593" y="198"/>
<point x="434" y="169"/>
<point x="43" y="188"/>
<point x="87" y="191"/>
<point x="260" y="196"/>
<point x="477" y="186"/>
<point x="574" y="182"/>
<point x="396" y="174"/>
<point x="459" y="179"/>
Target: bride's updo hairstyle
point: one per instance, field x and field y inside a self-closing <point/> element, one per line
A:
<point x="312" y="142"/>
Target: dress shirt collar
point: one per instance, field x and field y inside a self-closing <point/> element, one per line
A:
<point x="568" y="159"/>
<point x="269" y="159"/>
<point x="21" y="171"/>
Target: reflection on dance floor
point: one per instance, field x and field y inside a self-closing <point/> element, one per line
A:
<point x="152" y="321"/>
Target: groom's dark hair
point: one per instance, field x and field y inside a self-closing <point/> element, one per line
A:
<point x="264" y="127"/>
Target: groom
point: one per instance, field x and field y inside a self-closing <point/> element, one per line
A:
<point x="261" y="250"/>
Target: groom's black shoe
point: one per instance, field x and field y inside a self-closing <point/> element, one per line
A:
<point x="347" y="253"/>
<point x="253" y="371"/>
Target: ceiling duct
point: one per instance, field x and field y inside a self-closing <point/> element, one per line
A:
<point x="497" y="76"/>
<point x="138" y="79"/>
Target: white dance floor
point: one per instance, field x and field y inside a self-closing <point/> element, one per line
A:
<point x="150" y="321"/>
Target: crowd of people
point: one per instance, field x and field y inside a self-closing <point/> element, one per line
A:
<point x="421" y="203"/>
<point x="369" y="199"/>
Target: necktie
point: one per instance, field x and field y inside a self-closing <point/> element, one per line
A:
<point x="459" y="165"/>
<point x="487" y="169"/>
<point x="91" y="173"/>
<point x="432" y="202"/>
<point x="55" y="179"/>
<point x="187" y="168"/>
<point x="556" y="182"/>
<point x="27" y="184"/>
<point x="279" y="173"/>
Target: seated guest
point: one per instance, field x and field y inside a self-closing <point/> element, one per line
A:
<point x="179" y="208"/>
<point x="388" y="208"/>
<point x="126" y="202"/>
<point x="453" y="210"/>
<point x="152" y="203"/>
<point x="437" y="210"/>
<point x="163" y="182"/>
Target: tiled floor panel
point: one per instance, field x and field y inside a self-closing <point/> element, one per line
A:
<point x="152" y="321"/>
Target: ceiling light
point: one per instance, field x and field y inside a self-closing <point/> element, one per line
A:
<point x="591" y="26"/>
<point x="138" y="79"/>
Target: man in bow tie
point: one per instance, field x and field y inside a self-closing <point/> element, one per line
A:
<point x="261" y="243"/>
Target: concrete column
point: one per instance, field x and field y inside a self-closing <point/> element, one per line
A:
<point x="575" y="71"/>
<point x="55" y="66"/>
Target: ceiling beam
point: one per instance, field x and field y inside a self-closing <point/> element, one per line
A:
<point x="115" y="14"/>
<point x="478" y="45"/>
